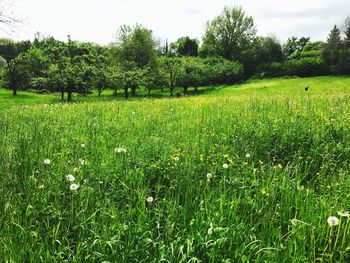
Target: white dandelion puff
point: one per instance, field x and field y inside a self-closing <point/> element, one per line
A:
<point x="176" y="158"/>
<point x="333" y="221"/>
<point x="82" y="145"/>
<point x="120" y="150"/>
<point x="247" y="156"/>
<point x="150" y="199"/>
<point x="70" y="178"/>
<point x="344" y="213"/>
<point x="225" y="166"/>
<point x="47" y="161"/>
<point x="209" y="176"/>
<point x="74" y="187"/>
<point x="76" y="169"/>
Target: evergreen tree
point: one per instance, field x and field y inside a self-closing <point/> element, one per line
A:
<point x="334" y="38"/>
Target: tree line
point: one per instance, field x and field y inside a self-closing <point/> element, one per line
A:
<point x="230" y="51"/>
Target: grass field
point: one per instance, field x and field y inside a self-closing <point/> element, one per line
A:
<point x="248" y="173"/>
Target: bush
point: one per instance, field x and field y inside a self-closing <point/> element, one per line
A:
<point x="304" y="67"/>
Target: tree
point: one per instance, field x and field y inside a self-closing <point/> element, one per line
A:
<point x="173" y="72"/>
<point x="347" y="33"/>
<point x="334" y="38"/>
<point x="10" y="52"/>
<point x="185" y="46"/>
<point x="294" y="44"/>
<point x="268" y="49"/>
<point x="331" y="52"/>
<point x="229" y="35"/>
<point x="193" y="73"/>
<point x="137" y="45"/>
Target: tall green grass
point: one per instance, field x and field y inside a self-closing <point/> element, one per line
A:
<point x="287" y="152"/>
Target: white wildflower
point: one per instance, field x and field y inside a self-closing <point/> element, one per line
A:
<point x="47" y="161"/>
<point x="225" y="166"/>
<point x="176" y="158"/>
<point x="150" y="199"/>
<point x="247" y="155"/>
<point x="333" y="221"/>
<point x="74" y="187"/>
<point x="70" y="178"/>
<point x="209" y="176"/>
<point x="344" y="213"/>
<point x="120" y="150"/>
<point x="76" y="169"/>
<point x="82" y="145"/>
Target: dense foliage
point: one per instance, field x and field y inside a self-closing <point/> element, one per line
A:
<point x="230" y="52"/>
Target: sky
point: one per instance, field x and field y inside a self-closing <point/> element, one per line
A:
<point x="98" y="20"/>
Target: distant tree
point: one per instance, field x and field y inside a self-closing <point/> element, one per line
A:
<point x="153" y="78"/>
<point x="334" y="38"/>
<point x="173" y="72"/>
<point x="268" y="49"/>
<point x="314" y="46"/>
<point x="137" y="45"/>
<point x="10" y="51"/>
<point x="331" y="52"/>
<point x="193" y="73"/>
<point x="294" y="44"/>
<point x="347" y="33"/>
<point x="185" y="46"/>
<point x="229" y="35"/>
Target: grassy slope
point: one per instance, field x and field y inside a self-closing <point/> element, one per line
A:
<point x="299" y="147"/>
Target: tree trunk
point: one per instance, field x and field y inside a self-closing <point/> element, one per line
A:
<point x="69" y="90"/>
<point x="149" y="92"/>
<point x="14" y="91"/>
<point x="62" y="94"/>
<point x="171" y="91"/>
<point x="133" y="90"/>
<point x="126" y="93"/>
<point x="69" y="97"/>
<point x="185" y="90"/>
<point x="99" y="87"/>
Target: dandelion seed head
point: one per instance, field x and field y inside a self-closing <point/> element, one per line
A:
<point x="70" y="178"/>
<point x="120" y="150"/>
<point x="150" y="199"/>
<point x="247" y="156"/>
<point x="333" y="221"/>
<point x="176" y="158"/>
<point x="209" y="176"/>
<point x="76" y="169"/>
<point x="344" y="213"/>
<point x="82" y="145"/>
<point x="225" y="166"/>
<point x="74" y="187"/>
<point x="47" y="161"/>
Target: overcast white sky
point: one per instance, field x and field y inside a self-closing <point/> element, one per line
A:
<point x="98" y="20"/>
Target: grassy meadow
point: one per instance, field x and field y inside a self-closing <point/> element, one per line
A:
<point x="247" y="173"/>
